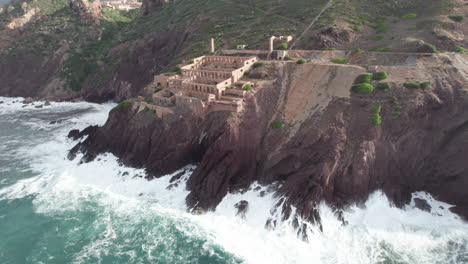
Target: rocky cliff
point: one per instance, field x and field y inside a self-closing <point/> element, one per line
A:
<point x="304" y="132"/>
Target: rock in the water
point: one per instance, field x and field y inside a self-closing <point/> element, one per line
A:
<point x="47" y="103"/>
<point x="38" y="106"/>
<point x="242" y="208"/>
<point x="74" y="133"/>
<point x="422" y="204"/>
<point x="28" y="100"/>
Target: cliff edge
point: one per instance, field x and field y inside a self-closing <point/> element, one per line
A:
<point x="304" y="131"/>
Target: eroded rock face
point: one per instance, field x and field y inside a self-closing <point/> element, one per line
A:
<point x="89" y="10"/>
<point x="327" y="148"/>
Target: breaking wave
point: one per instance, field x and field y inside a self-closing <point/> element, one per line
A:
<point x="61" y="211"/>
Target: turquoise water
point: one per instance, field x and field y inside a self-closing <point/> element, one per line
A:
<point x="53" y="210"/>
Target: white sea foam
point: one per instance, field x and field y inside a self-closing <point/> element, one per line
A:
<point x="376" y="233"/>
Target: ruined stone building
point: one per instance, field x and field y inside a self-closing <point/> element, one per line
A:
<point x="208" y="83"/>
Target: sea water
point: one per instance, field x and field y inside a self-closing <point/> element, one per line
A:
<point x="53" y="210"/>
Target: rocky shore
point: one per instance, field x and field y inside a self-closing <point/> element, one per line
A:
<point x="304" y="132"/>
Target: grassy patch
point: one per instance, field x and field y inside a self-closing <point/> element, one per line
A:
<point x="276" y="124"/>
<point x="425" y="85"/>
<point x="121" y="105"/>
<point x="409" y="16"/>
<point x="376" y="119"/>
<point x="459" y="49"/>
<point x="257" y="64"/>
<point x="301" y="61"/>
<point x="412" y="28"/>
<point x="457" y="18"/>
<point x="247" y="87"/>
<point x="431" y="47"/>
<point x="339" y="60"/>
<point x="362" y="88"/>
<point x="380" y="27"/>
<point x="377" y="37"/>
<point x="358" y="50"/>
<point x="330" y="49"/>
<point x="382" y="49"/>
<point x="282" y="46"/>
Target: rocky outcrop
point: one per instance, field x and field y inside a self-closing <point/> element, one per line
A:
<point x="327" y="147"/>
<point x="88" y="10"/>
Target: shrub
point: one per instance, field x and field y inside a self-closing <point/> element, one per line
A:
<point x="397" y="113"/>
<point x="412" y="85"/>
<point x="339" y="60"/>
<point x="378" y="76"/>
<point x="396" y="107"/>
<point x="257" y="64"/>
<point x="282" y="46"/>
<point x="247" y="87"/>
<point x="363" y="88"/>
<point x="459" y="49"/>
<point x="328" y="49"/>
<point x="300" y="61"/>
<point x="380" y="27"/>
<point x="409" y="16"/>
<point x="229" y="87"/>
<point x="432" y="48"/>
<point x="358" y="50"/>
<point x="246" y="73"/>
<point x="146" y="110"/>
<point x="385" y="86"/>
<point x="411" y="28"/>
<point x="376" y="119"/>
<point x="377" y="37"/>
<point x="122" y="105"/>
<point x="276" y="124"/>
<point x="393" y="100"/>
<point x="149" y="99"/>
<point x="386" y="48"/>
<point x="457" y="18"/>
<point x="363" y="78"/>
<point x="425" y="85"/>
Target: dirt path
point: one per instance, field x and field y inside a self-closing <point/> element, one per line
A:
<point x="311" y="24"/>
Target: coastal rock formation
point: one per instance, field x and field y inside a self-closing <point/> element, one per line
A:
<point x="306" y="133"/>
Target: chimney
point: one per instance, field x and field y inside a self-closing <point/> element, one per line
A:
<point x="212" y="45"/>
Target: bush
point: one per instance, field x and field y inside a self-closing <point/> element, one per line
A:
<point x="385" y="86"/>
<point x="300" y="61"/>
<point x="459" y="49"/>
<point x="282" y="46"/>
<point x="386" y="48"/>
<point x="257" y="64"/>
<point x="149" y="99"/>
<point x="411" y="28"/>
<point x="363" y="78"/>
<point x="377" y="37"/>
<point x="247" y="87"/>
<point x="432" y="48"/>
<point x="457" y="18"/>
<point x="412" y="85"/>
<point x="146" y="110"/>
<point x="358" y="50"/>
<point x="409" y="16"/>
<point x="276" y="124"/>
<point x="378" y="76"/>
<point x="328" y="49"/>
<point x="393" y="100"/>
<point x="229" y="87"/>
<point x="246" y="73"/>
<point x="380" y="27"/>
<point x="362" y="88"/>
<point x="376" y="119"/>
<point x="425" y="85"/>
<point x="339" y="60"/>
<point x="122" y="105"/>
<point x="396" y="107"/>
